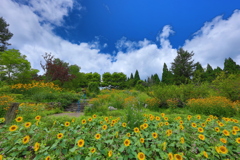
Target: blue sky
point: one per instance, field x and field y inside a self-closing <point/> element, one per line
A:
<point x="124" y="35"/>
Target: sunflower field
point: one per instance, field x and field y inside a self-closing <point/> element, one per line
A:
<point x="159" y="136"/>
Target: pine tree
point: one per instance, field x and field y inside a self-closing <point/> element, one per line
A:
<point x="198" y="73"/>
<point x="209" y="74"/>
<point x="183" y="66"/>
<point x="230" y="67"/>
<point x="5" y="35"/>
<point x="167" y="76"/>
<point x="136" y="76"/>
<point x="156" y="79"/>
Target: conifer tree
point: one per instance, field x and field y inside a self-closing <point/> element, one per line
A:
<point x="230" y="67"/>
<point x="209" y="74"/>
<point x="5" y="35"/>
<point x="183" y="66"/>
<point x="167" y="76"/>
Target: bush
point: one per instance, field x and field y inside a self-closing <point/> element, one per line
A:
<point x="5" y="101"/>
<point x="217" y="106"/>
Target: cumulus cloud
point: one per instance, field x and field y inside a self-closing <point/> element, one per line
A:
<point x="217" y="40"/>
<point x="51" y="11"/>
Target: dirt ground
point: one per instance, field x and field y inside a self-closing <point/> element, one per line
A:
<point x="72" y="114"/>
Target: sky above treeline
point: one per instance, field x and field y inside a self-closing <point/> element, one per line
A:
<point x="124" y="35"/>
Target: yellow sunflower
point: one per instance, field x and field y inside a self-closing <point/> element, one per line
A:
<point x="84" y="121"/>
<point x="106" y="118"/>
<point x="48" y="158"/>
<point x="141" y="156"/>
<point x="194" y="125"/>
<point x="66" y="124"/>
<point x="221" y="124"/>
<point x="124" y="124"/>
<point x="1" y="157"/>
<point x="128" y="134"/>
<point x="166" y="118"/>
<point x="223" y="140"/>
<point x="25" y="139"/>
<point x="90" y="119"/>
<point x="27" y="124"/>
<point x="235" y="128"/>
<point x="217" y="129"/>
<point x="36" y="146"/>
<point x="162" y="114"/>
<point x="170" y="156"/>
<point x="223" y="149"/>
<point x="198" y="116"/>
<point x="166" y="123"/>
<point x="19" y="119"/>
<point x="104" y="127"/>
<point x="157" y="118"/>
<point x="127" y="142"/>
<point x="182" y="140"/>
<point x="142" y="140"/>
<point x="38" y="118"/>
<point x="13" y="128"/>
<point x="94" y="116"/>
<point x="93" y="150"/>
<point x="203" y="124"/>
<point x="201" y="136"/>
<point x="234" y="132"/>
<point x="59" y="135"/>
<point x="238" y="140"/>
<point x="205" y="154"/>
<point x="226" y="132"/>
<point x="80" y="143"/>
<point x="97" y="136"/>
<point x="154" y="135"/>
<point x="142" y="127"/>
<point x="200" y="129"/>
<point x="110" y="153"/>
<point x="136" y="130"/>
<point x="169" y="132"/>
<point x="145" y="125"/>
<point x="181" y="127"/>
<point x="177" y="157"/>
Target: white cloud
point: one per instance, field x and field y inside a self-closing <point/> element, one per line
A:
<point x="217" y="40"/>
<point x="51" y="11"/>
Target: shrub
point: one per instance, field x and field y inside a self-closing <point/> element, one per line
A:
<point x="218" y="106"/>
<point x="5" y="101"/>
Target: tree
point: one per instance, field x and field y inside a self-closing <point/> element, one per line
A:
<point x="167" y="76"/>
<point x="107" y="79"/>
<point x="198" y="73"/>
<point x="119" y="80"/>
<point x="136" y="76"/>
<point x="209" y="74"/>
<point x="56" y="69"/>
<point x="14" y="65"/>
<point x="183" y="66"/>
<point x="230" y="67"/>
<point x="5" y="35"/>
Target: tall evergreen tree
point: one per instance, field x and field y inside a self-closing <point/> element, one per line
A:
<point x="183" y="66"/>
<point x="5" y="35"/>
<point x="198" y="73"/>
<point x="131" y="77"/>
<point x="217" y="71"/>
<point x="136" y="76"/>
<point x="209" y="74"/>
<point x="230" y="66"/>
<point x="167" y="76"/>
<point x="156" y="79"/>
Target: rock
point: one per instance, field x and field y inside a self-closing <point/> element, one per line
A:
<point x="111" y="108"/>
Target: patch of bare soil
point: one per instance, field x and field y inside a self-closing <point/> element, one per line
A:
<point x="72" y="114"/>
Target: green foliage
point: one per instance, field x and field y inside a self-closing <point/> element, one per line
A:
<point x="5" y="34"/>
<point x="183" y="66"/>
<point x="230" y="67"/>
<point x="94" y="87"/>
<point x="217" y="106"/>
<point x="15" y="66"/>
<point x="167" y="76"/>
<point x="228" y="85"/>
<point x="133" y="116"/>
<point x="209" y="74"/>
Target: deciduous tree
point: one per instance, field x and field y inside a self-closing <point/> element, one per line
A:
<point x="5" y="34"/>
